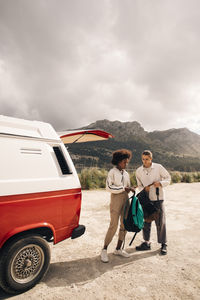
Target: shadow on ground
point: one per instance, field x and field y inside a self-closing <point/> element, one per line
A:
<point x="4" y="295"/>
<point x="86" y="269"/>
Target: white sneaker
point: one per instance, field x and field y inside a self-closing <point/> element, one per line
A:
<point x="121" y="253"/>
<point x="104" y="256"/>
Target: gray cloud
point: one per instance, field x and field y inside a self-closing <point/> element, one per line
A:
<point x="73" y="62"/>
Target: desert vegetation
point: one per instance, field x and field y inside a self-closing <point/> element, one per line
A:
<point x="95" y="178"/>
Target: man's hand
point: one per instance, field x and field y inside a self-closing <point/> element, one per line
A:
<point x="147" y="188"/>
<point x="157" y="184"/>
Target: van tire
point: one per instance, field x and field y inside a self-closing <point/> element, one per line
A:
<point x="23" y="263"/>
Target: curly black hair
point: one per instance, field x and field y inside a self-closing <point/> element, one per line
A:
<point x="119" y="155"/>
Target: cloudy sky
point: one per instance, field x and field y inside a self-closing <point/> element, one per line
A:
<point x="72" y="62"/>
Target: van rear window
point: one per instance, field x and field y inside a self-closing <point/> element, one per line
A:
<point x="62" y="161"/>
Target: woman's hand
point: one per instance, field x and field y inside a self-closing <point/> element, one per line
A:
<point x="129" y="189"/>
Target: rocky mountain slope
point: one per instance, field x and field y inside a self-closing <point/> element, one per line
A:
<point x="178" y="149"/>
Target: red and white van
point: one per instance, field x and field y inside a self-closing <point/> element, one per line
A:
<point x="40" y="197"/>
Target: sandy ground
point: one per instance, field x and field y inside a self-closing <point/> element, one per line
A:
<point x="76" y="271"/>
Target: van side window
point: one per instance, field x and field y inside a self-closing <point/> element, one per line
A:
<point x="62" y="161"/>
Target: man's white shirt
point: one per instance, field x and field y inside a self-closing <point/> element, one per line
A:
<point x="156" y="173"/>
<point x="117" y="181"/>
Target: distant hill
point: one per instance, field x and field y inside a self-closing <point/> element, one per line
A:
<point x="177" y="149"/>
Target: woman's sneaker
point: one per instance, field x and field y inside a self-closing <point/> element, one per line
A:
<point x="121" y="253"/>
<point x="104" y="256"/>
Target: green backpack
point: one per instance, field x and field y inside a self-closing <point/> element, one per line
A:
<point x="133" y="216"/>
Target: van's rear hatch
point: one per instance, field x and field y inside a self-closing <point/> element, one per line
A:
<point x="84" y="135"/>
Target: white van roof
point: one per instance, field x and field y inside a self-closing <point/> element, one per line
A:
<point x="27" y="128"/>
<point x="41" y="130"/>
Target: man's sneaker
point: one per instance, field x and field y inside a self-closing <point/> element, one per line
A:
<point x="104" y="256"/>
<point x="163" y="249"/>
<point x="143" y="247"/>
<point x="121" y="253"/>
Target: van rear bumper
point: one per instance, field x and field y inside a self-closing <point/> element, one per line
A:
<point x="78" y="231"/>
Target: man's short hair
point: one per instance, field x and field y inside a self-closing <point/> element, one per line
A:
<point x="148" y="153"/>
<point x="119" y="155"/>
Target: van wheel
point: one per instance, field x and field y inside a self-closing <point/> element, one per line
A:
<point x="23" y="263"/>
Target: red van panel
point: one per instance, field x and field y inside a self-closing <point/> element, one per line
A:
<point x="58" y="210"/>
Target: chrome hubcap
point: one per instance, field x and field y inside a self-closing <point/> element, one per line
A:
<point x="27" y="263"/>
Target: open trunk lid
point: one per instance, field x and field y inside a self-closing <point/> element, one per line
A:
<point x="84" y="135"/>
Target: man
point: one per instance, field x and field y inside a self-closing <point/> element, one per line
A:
<point x="153" y="177"/>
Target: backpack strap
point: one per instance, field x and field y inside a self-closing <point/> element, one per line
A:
<point x="127" y="204"/>
<point x="132" y="239"/>
<point x="125" y="207"/>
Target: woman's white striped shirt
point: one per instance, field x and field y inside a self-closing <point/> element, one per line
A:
<point x="117" y="181"/>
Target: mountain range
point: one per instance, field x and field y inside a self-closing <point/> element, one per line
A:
<point x="177" y="149"/>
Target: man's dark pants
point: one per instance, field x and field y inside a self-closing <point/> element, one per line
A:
<point x="160" y="226"/>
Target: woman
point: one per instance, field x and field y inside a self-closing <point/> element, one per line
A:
<point x="118" y="184"/>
